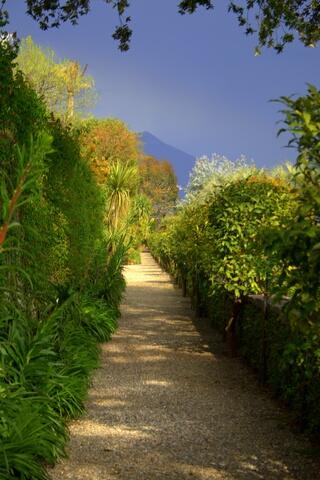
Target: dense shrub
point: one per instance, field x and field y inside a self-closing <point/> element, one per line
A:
<point x="297" y="245"/>
<point x="72" y="189"/>
<point x="236" y="241"/>
<point x="287" y="360"/>
<point x="60" y="281"/>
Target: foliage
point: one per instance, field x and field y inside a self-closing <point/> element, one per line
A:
<point x="60" y="284"/>
<point x="256" y="233"/>
<point x="238" y="217"/>
<point x="114" y="282"/>
<point x="107" y="141"/>
<point x="62" y="85"/>
<point x="181" y="236"/>
<point x="140" y="221"/>
<point x="30" y="169"/>
<point x="39" y="66"/>
<point x="179" y="245"/>
<point x="297" y="245"/>
<point x="159" y="183"/>
<point x="208" y="174"/>
<point x="121" y="185"/>
<point x="29" y="430"/>
<point x="73" y="190"/>
<point x="275" y="21"/>
<point x="139" y="226"/>
<point x="288" y="360"/>
<point x="44" y="375"/>
<point x="220" y="243"/>
<point x="76" y="85"/>
<point x="21" y="113"/>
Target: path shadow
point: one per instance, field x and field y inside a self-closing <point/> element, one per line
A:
<point x="167" y="403"/>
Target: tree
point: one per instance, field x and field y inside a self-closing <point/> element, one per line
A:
<point x="275" y="21"/>
<point x="298" y="243"/>
<point x="39" y="66"/>
<point x="75" y="83"/>
<point x="140" y="220"/>
<point x="63" y="85"/>
<point x="278" y="21"/>
<point x="107" y="141"/>
<point x="159" y="183"/>
<point x="209" y="173"/>
<point x="22" y="114"/>
<point x="120" y="187"/>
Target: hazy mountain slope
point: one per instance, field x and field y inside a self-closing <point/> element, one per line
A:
<point x="182" y="162"/>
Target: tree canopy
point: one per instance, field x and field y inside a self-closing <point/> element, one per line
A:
<point x="63" y="85"/>
<point x="276" y="22"/>
<point x="159" y="184"/>
<point x="106" y="141"/>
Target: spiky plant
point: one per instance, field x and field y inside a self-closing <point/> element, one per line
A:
<point x="121" y="184"/>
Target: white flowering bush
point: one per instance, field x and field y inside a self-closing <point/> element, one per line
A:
<point x="209" y="173"/>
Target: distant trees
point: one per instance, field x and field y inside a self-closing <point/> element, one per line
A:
<point x="140" y="219"/>
<point x="276" y="22"/>
<point x="159" y="183"/>
<point x="62" y="85"/>
<point x="110" y="142"/>
<point x="209" y="173"/>
<point x="39" y="66"/>
<point x="107" y="141"/>
<point x="76" y="85"/>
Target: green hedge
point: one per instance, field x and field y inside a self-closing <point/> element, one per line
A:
<point x="288" y="361"/>
<point x="225" y="249"/>
<point x="60" y="281"/>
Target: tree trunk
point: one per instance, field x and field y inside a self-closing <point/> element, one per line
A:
<point x="231" y="327"/>
<point x="184" y="286"/>
<point x="265" y="318"/>
<point x="70" y="105"/>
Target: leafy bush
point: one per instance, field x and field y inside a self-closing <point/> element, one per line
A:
<point x="29" y="430"/>
<point x="297" y="245"/>
<point x="239" y="215"/>
<point x="60" y="280"/>
<point x="254" y="233"/>
<point x="207" y="174"/>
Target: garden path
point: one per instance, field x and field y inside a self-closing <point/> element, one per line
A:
<point x="167" y="403"/>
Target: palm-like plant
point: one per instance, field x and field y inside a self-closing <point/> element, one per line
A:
<point x="75" y="83"/>
<point x="120" y="187"/>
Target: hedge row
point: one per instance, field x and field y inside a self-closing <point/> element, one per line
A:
<point x="60" y="281"/>
<point x="224" y="250"/>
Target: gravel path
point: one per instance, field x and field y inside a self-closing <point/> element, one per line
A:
<point x="167" y="403"/>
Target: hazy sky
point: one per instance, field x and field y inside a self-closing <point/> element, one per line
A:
<point x="193" y="81"/>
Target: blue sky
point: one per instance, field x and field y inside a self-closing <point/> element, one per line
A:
<point x="193" y="81"/>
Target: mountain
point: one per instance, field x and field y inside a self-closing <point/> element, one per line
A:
<point x="182" y="162"/>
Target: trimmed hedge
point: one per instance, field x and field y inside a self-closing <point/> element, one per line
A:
<point x="223" y="251"/>
<point x="60" y="281"/>
<point x="287" y="361"/>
